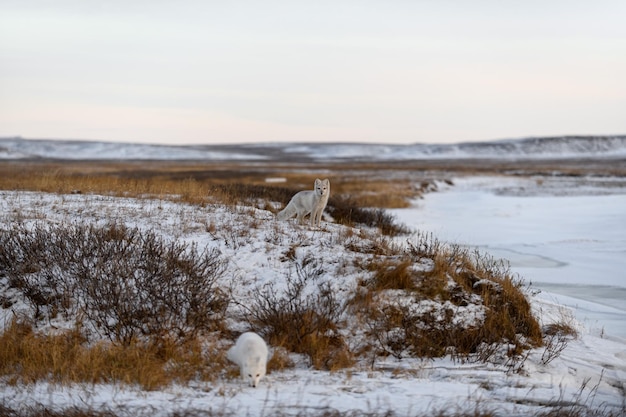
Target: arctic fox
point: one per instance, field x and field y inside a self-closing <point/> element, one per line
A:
<point x="306" y="202"/>
<point x="250" y="353"/>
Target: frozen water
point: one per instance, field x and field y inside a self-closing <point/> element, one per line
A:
<point x="569" y="243"/>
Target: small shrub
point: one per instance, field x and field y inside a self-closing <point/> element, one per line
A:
<point x="556" y="338"/>
<point x="413" y="330"/>
<point x="480" y="274"/>
<point x="367" y="243"/>
<point x="560" y="328"/>
<point x="435" y="300"/>
<point x="280" y="360"/>
<point x="345" y="210"/>
<point x="237" y="192"/>
<point x="128" y="283"/>
<point x="424" y="246"/>
<point x="302" y="318"/>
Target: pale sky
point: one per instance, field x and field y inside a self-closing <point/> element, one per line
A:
<point x="392" y="71"/>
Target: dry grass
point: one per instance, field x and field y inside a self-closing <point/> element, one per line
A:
<point x="27" y="356"/>
<point x="392" y="274"/>
<point x="354" y="200"/>
<point x="280" y="360"/>
<point x="452" y="277"/>
<point x="379" y="193"/>
<point x="196" y="183"/>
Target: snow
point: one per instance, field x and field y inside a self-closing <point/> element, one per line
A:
<point x="544" y="243"/>
<point x="17" y="148"/>
<point x="605" y="147"/>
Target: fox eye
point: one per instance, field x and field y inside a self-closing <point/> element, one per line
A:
<point x="250" y="375"/>
<point x="258" y="375"/>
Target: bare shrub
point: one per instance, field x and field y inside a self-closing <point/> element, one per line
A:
<point x="556" y="338"/>
<point x="414" y="330"/>
<point x="128" y="283"/>
<point x="302" y="317"/>
<point x="35" y="262"/>
<point x="424" y="246"/>
<point x="346" y="210"/>
<point x="237" y="192"/>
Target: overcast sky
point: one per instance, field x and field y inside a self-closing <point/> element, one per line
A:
<point x="400" y="71"/>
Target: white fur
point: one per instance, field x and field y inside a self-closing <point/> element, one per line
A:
<point x="251" y="354"/>
<point x="308" y="202"/>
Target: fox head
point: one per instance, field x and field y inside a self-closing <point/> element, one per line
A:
<point x="253" y="370"/>
<point x="322" y="187"/>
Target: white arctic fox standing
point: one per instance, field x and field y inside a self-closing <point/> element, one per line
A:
<point x="250" y="353"/>
<point x="306" y="202"/>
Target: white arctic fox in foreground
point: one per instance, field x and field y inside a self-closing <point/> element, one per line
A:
<point x="306" y="202"/>
<point x="250" y="353"/>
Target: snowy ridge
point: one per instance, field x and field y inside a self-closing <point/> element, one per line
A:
<point x="18" y="148"/>
<point x="529" y="148"/>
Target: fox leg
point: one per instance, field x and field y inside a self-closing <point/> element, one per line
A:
<point x="314" y="221"/>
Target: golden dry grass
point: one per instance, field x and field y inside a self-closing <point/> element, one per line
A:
<point x="195" y="183"/>
<point x="28" y="356"/>
<point x="454" y="275"/>
<point x="385" y="184"/>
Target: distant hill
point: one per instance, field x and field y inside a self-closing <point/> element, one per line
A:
<point x="529" y="148"/>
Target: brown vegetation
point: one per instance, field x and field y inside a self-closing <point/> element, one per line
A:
<point x="200" y="183"/>
<point x="302" y="322"/>
<point x="354" y="200"/>
<point x="28" y="356"/>
<point x="131" y="285"/>
<point x="452" y="277"/>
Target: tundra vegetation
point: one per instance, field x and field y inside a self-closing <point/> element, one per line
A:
<point x="150" y="311"/>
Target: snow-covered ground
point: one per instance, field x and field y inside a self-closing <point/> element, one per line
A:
<point x="590" y="373"/>
<point x="529" y="148"/>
